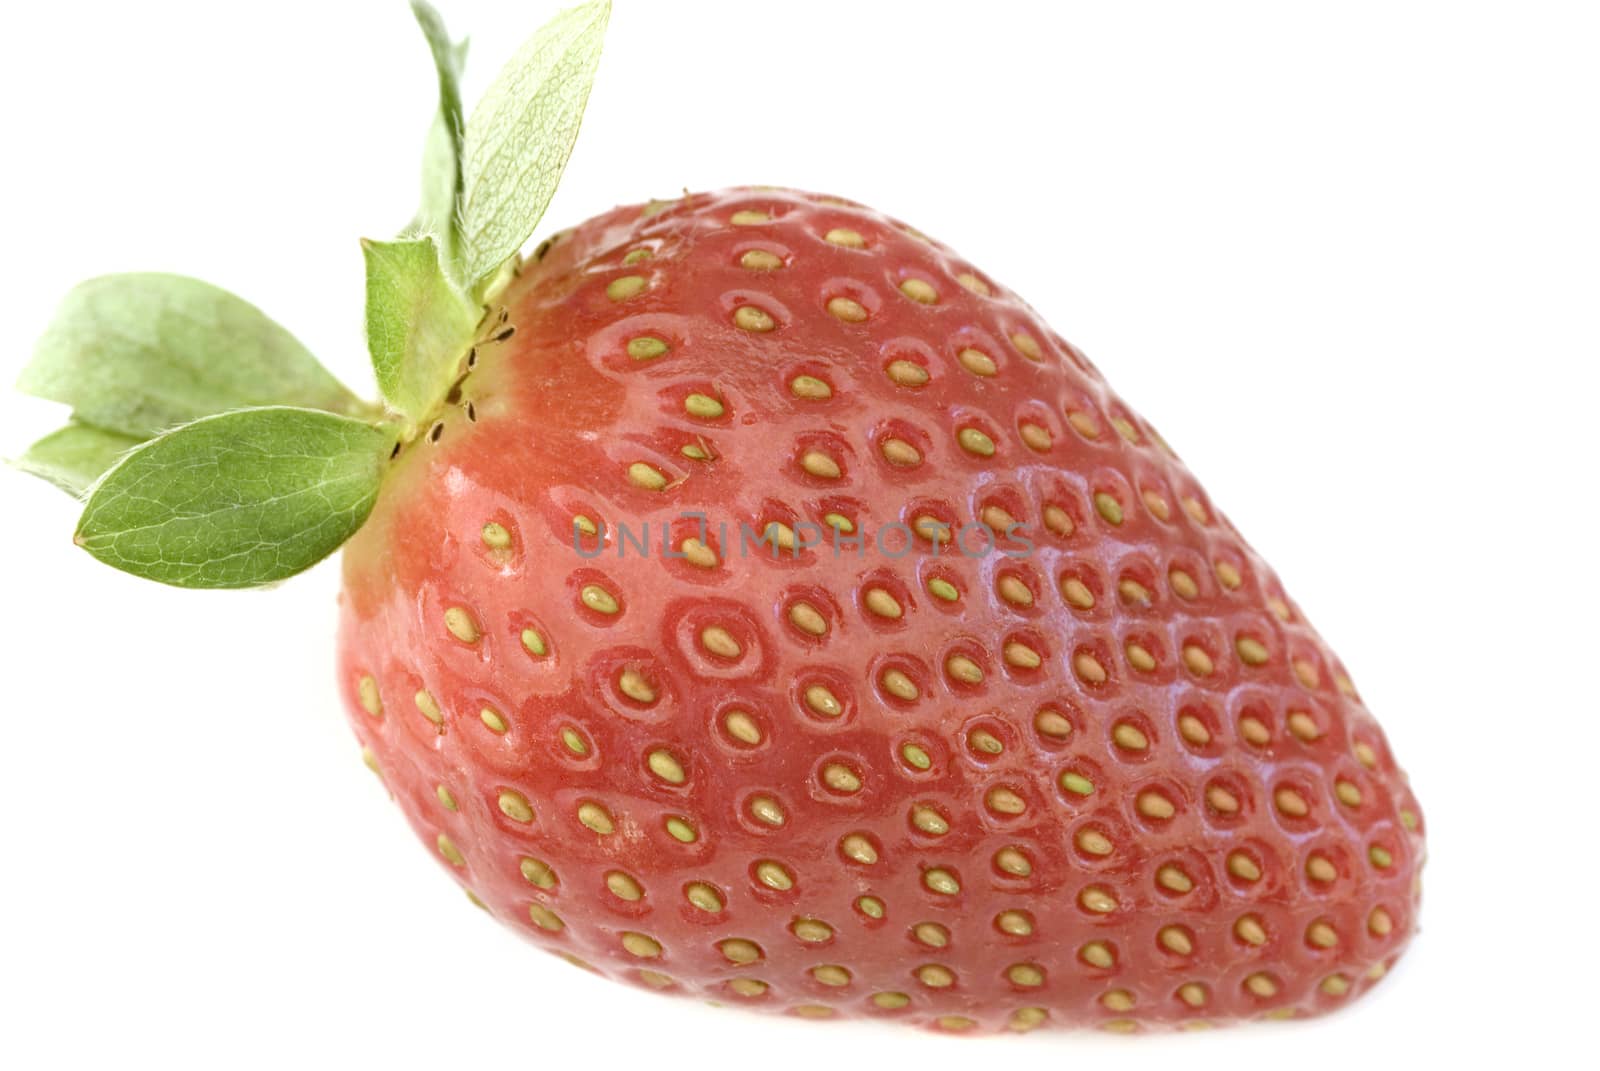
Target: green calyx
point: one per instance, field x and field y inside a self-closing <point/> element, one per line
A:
<point x="211" y="449"/>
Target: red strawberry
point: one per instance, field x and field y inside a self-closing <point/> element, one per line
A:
<point x="1000" y="725"/>
<point x="1117" y="779"/>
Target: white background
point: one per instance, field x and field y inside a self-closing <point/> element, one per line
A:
<point x="1344" y="256"/>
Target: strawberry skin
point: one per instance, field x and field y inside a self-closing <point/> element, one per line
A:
<point x="1104" y="774"/>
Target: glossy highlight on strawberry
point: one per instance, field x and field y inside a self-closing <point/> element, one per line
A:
<point x="1115" y="779"/>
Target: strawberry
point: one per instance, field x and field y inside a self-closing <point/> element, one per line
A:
<point x="747" y="598"/>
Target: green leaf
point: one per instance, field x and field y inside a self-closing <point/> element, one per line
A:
<point x="238" y="499"/>
<point x="141" y="353"/>
<point x="76" y="456"/>
<point x="520" y="135"/>
<point x="441" y="155"/>
<point x="418" y="324"/>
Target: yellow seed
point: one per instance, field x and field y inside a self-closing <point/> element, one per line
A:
<point x="1117" y="1000"/>
<point x="624" y="886"/>
<point x="1253" y="731"/>
<point x="1083" y="424"/>
<point x="367" y="689"/>
<point x="1129" y="737"/>
<point x="1004" y="801"/>
<point x="931" y="934"/>
<point x="451" y="853"/>
<point x="907" y="373"/>
<point x="831" y="975"/>
<point x="1175" y="939"/>
<point x="1221" y="800"/>
<point x="919" y="291"/>
<point x="1348" y="793"/>
<point x="1365" y="755"/>
<point x="748" y="217"/>
<point x="810" y="387"/>
<point x="1336" y="985"/>
<point x="1022" y="656"/>
<point x="1012" y="861"/>
<point x="870" y="906"/>
<point x="1379" y="857"/>
<point x="1077" y="784"/>
<point x="930" y="821"/>
<point x="666" y="766"/>
<point x="1015" y="923"/>
<point x="1279" y="608"/>
<point x="1243" y="867"/>
<point x="1291" y="803"/>
<point x="751" y="318"/>
<point x="941" y="881"/>
<point x="880" y="602"/>
<point x="461" y="624"/>
<point x="1249" y="930"/>
<point x="1409" y="819"/>
<point x="900" y="453"/>
<point x="820" y="465"/>
<point x="656" y="980"/>
<point x="574" y="742"/>
<point x="1319" y="868"/>
<point x="941" y="588"/>
<point x="814" y="931"/>
<point x="1228" y="575"/>
<point x="1321" y="935"/>
<point x="1194" y="730"/>
<point x="1195" y="510"/>
<point x="774" y="876"/>
<point x="1183" y="584"/>
<point x="632" y="684"/>
<point x="1173" y="878"/>
<point x="738" y="951"/>
<point x="1097" y="900"/>
<point x="848" y="238"/>
<point x="429" y="708"/>
<point x="975" y="442"/>
<point x="720" y="642"/>
<point x="1088" y="668"/>
<point x="976" y="285"/>
<point x="1261" y="985"/>
<point x="768" y="810"/>
<point x="847" y="309"/>
<point x="634" y="256"/>
<point x="1197" y="660"/>
<point x="963" y="669"/>
<point x="1077" y="593"/>
<point x="1139" y="658"/>
<point x="1035" y="436"/>
<point x="537" y="873"/>
<point x="625" y="287"/>
<point x="935" y="976"/>
<point x="897" y="684"/>
<point x="1094" y="842"/>
<point x="1027" y="975"/>
<point x="596" y="818"/>
<point x="534" y="643"/>
<point x="1156" y="505"/>
<point x="1379" y="922"/>
<point x="890" y="1001"/>
<point x="1058" y="520"/>
<point x="841" y="778"/>
<point x="697" y="553"/>
<point x="1097" y="954"/>
<point x="544" y="918"/>
<point x="857" y="847"/>
<point x="646" y="476"/>
<point x="977" y="362"/>
<point x="703" y="406"/>
<point x="641" y="945"/>
<point x="514" y="805"/>
<point x="1302" y="725"/>
<point x="1306" y="673"/>
<point x="760" y="260"/>
<point x="984" y="742"/>
<point x="492" y="720"/>
<point x="1251" y="652"/>
<point x="1125" y="429"/>
<point x="806" y="618"/>
<point x="1014" y="591"/>
<point x="646" y="348"/>
<point x="583" y="524"/>
<point x="1154" y="805"/>
<point x="1027" y="346"/>
<point x="1108" y="507"/>
<point x="742" y="727"/>
<point x="823" y="701"/>
<point x="447" y="799"/>
<point x="1193" y="994"/>
<point x="598" y="599"/>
